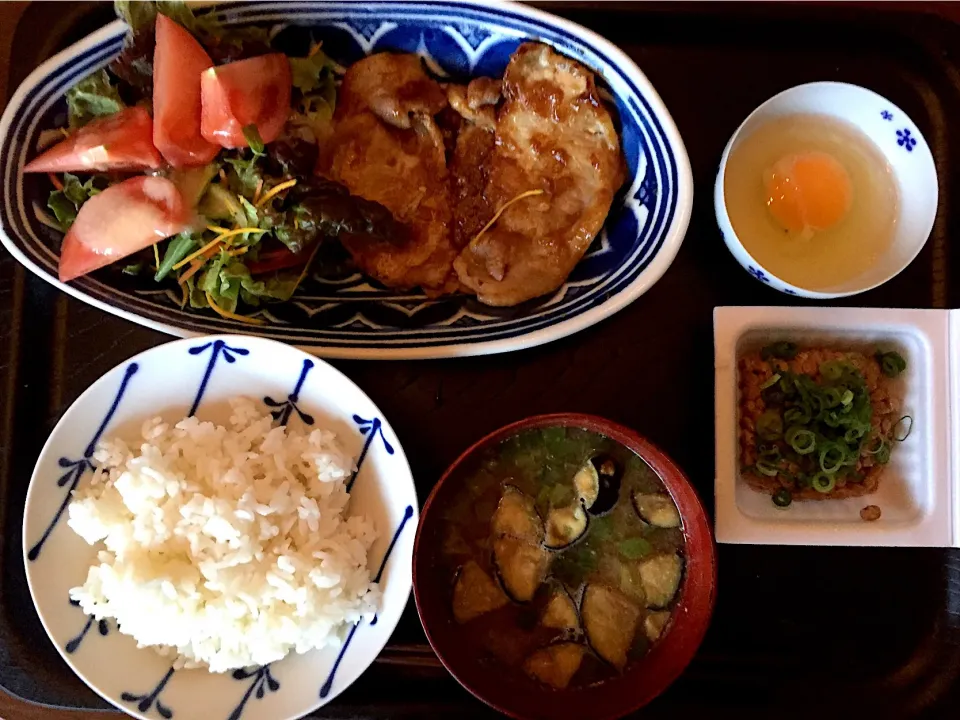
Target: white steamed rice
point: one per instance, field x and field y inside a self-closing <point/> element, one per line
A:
<point x="225" y="547"/>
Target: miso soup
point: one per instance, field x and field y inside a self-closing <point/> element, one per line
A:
<point x="565" y="554"/>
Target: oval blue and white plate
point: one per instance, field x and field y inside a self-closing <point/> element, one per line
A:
<point x="353" y="318"/>
<point x="198" y="375"/>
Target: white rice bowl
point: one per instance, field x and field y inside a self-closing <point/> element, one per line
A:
<point x="225" y="546"/>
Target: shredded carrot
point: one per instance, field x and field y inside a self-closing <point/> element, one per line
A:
<point x="314" y="49"/>
<point x="498" y="213"/>
<point x="223" y="175"/>
<point x="217" y="229"/>
<point x="256" y="193"/>
<point x="183" y="295"/>
<point x="56" y="181"/>
<point x="202" y="251"/>
<point x="214" y="243"/>
<point x="232" y="316"/>
<point x="191" y="271"/>
<point x="156" y="256"/>
<point x="303" y="273"/>
<point x="199" y="262"/>
<point x="240" y="231"/>
<point x="276" y="189"/>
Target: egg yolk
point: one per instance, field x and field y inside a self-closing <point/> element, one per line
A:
<point x="808" y="191"/>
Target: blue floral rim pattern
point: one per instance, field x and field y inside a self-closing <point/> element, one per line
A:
<point x="351" y="315"/>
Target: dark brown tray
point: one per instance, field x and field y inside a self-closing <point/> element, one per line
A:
<point x="833" y="632"/>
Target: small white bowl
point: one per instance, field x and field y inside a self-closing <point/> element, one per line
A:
<point x="904" y="149"/>
<point x="199" y="375"/>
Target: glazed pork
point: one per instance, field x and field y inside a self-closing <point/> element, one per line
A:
<point x="502" y="202"/>
<point x="556" y="139"/>
<point x="386" y="147"/>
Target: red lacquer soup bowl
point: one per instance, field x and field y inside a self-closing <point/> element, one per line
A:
<point x="509" y="690"/>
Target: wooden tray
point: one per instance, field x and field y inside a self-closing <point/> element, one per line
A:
<point x="862" y="632"/>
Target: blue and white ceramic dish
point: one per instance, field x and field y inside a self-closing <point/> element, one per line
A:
<point x="908" y="158"/>
<point x="172" y="380"/>
<point x="354" y="318"/>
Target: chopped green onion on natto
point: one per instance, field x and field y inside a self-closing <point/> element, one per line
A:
<point x="814" y="432"/>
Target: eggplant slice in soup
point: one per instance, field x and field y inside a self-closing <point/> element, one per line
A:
<point x="516" y="516"/>
<point x="654" y="623"/>
<point x="661" y="578"/>
<point x="587" y="484"/>
<point x="518" y="555"/>
<point x="560" y="612"/>
<point x="522" y="567"/>
<point x="565" y="526"/>
<point x="610" y="621"/>
<point x="656" y="510"/>
<point x="598" y="484"/>
<point x="475" y="593"/>
<point x="555" y="665"/>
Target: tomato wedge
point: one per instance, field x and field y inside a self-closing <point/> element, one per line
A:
<point x="123" y="141"/>
<point x="246" y="92"/>
<point x="178" y="61"/>
<point x="123" y="219"/>
<point x="276" y="260"/>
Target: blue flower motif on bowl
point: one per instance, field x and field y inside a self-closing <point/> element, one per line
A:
<point x="886" y="115"/>
<point x="906" y="140"/>
<point x="147" y="701"/>
<point x="758" y="274"/>
<point x="262" y="682"/>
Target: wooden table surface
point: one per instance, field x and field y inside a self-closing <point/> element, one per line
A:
<point x="14" y="708"/>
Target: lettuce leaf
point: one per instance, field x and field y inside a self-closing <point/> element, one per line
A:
<point x="66" y="203"/>
<point x="64" y="210"/>
<point x="223" y="43"/>
<point x="177" y="249"/>
<point x="229" y="282"/>
<point x="77" y="192"/>
<point x="93" y="97"/>
<point x="135" y="13"/>
<point x="245" y="175"/>
<point x="313" y="72"/>
<point x="315" y="77"/>
<point x="142" y="14"/>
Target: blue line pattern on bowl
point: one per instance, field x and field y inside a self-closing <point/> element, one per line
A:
<point x="758" y="274"/>
<point x="76" y="468"/>
<point x="328" y="685"/>
<point x="219" y="348"/>
<point x="262" y="681"/>
<point x="352" y="312"/>
<point x="145" y="702"/>
<point x="906" y="140"/>
<point x="283" y="409"/>
<point x="370" y="428"/>
<point x="102" y="628"/>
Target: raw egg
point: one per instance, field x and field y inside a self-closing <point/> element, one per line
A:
<point x="808" y="192"/>
<point x="812" y="199"/>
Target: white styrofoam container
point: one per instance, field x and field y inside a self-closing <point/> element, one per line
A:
<point x="919" y="494"/>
